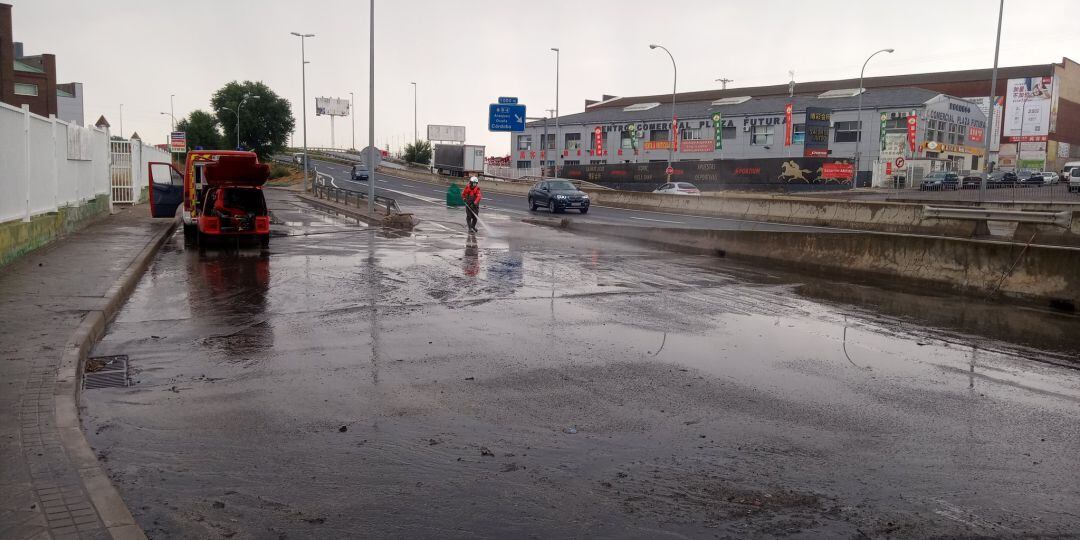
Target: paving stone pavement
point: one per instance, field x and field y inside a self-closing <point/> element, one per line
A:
<point x="44" y="296"/>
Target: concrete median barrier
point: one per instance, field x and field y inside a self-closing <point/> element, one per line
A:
<point x="1042" y="274"/>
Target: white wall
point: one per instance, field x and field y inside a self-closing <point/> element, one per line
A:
<point x="46" y="163"/>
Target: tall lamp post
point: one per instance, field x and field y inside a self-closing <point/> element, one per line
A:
<point x="858" y="117"/>
<point x="990" y="117"/>
<point x="558" y="151"/>
<point x="303" y="95"/>
<point x="352" y="116"/>
<point x="416" y="134"/>
<point x="371" y="112"/>
<point x="170" y="115"/>
<point x="674" y="86"/>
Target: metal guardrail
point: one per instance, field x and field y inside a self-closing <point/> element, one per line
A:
<point x="1061" y="219"/>
<point x="325" y="189"/>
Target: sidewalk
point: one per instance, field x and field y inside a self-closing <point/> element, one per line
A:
<point x="54" y="303"/>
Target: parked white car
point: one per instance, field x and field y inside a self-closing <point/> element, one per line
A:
<point x="678" y="188"/>
<point x="1050" y="177"/>
<point x="1074" y="180"/>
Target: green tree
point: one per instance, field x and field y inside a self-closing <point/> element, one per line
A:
<point x="202" y="130"/>
<point x="266" y="119"/>
<point x="418" y="152"/>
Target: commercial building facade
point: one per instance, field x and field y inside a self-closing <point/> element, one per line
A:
<point x="1036" y="122"/>
<point x="893" y="122"/>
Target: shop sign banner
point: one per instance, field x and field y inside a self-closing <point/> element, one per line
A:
<point x="718" y="123"/>
<point x="1027" y="109"/>
<point x="881" y="132"/>
<point x="843" y="171"/>
<point x="787" y="125"/>
<point x="912" y="130"/>
<point x="598" y="141"/>
<point x="975" y="134"/>
<point x="657" y="145"/>
<point x="995" y="118"/>
<point x="818" y="120"/>
<point x="698" y="145"/>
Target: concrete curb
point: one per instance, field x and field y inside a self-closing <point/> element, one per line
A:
<point x="103" y="495"/>
<point x="397" y="221"/>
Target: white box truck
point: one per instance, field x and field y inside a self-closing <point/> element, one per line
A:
<point x="459" y="159"/>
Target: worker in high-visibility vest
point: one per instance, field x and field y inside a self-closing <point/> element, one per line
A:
<point x="471" y="195"/>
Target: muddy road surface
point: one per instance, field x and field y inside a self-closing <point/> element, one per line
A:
<point x="526" y="382"/>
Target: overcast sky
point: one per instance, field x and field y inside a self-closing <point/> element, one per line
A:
<point x="464" y="54"/>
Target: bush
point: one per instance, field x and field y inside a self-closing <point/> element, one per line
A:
<point x="278" y="170"/>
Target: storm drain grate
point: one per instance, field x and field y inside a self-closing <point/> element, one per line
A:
<point x="106" y="372"/>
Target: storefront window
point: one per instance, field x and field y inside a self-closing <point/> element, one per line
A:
<point x="524" y="142"/>
<point x="760" y="135"/>
<point x="690" y="134"/>
<point x="848" y="131"/>
<point x="524" y="164"/>
<point x="550" y="140"/>
<point x="798" y="134"/>
<point x="659" y="135"/>
<point x="728" y="133"/>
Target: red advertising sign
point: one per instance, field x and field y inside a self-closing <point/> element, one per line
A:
<point x="844" y="171"/>
<point x="912" y="127"/>
<point x="975" y="134"/>
<point x="694" y="146"/>
<point x="657" y="145"/>
<point x="815" y="152"/>
<point x="888" y="167"/>
<point x="787" y="125"/>
<point x="599" y="141"/>
<point x="1027" y="138"/>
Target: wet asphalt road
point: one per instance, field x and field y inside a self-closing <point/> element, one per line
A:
<point x="410" y="191"/>
<point x="353" y="382"/>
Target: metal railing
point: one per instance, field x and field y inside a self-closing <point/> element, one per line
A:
<point x="324" y="188"/>
<point x="1060" y="219"/>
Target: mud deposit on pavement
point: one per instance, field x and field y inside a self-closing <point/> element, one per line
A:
<point x="529" y="382"/>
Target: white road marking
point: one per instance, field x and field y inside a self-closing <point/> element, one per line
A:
<point x="657" y="220"/>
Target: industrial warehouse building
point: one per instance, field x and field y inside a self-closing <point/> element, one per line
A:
<point x="950" y="111"/>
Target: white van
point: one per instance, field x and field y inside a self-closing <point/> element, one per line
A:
<point x="1068" y="168"/>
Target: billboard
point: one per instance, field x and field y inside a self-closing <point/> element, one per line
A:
<point x="331" y="106"/>
<point x="436" y="132"/>
<point x="178" y="141"/>
<point x="1027" y="109"/>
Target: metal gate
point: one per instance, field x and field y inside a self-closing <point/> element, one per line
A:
<point x="123" y="191"/>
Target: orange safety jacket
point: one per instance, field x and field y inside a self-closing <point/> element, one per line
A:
<point x="471" y="195"/>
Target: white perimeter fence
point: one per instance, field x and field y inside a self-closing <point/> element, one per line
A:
<point x="46" y="164"/>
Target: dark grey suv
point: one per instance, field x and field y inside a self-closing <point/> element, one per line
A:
<point x="557" y="196"/>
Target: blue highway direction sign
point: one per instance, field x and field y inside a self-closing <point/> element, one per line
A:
<point x="506" y="117"/>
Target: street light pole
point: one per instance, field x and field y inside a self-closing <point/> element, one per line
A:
<point x="416" y="133"/>
<point x="172" y="110"/>
<point x="238" y="106"/>
<point x="352" y="117"/>
<point x="558" y="151"/>
<point x="990" y="108"/>
<point x="858" y="117"/>
<point x="121" y="120"/>
<point x="303" y="96"/>
<point x="371" y="114"/>
<point x="674" y="86"/>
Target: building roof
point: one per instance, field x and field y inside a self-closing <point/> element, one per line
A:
<point x="885" y="98"/>
<point x="102" y="122"/>
<point x="27" y="68"/>
<point x="816" y="87"/>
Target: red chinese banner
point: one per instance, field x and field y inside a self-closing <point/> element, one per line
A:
<point x="675" y="131"/>
<point x="599" y="141"/>
<point x="787" y="125"/>
<point x="912" y="127"/>
<point x="975" y="134"/>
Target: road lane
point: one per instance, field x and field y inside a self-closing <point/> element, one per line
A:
<point x="393" y="186"/>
